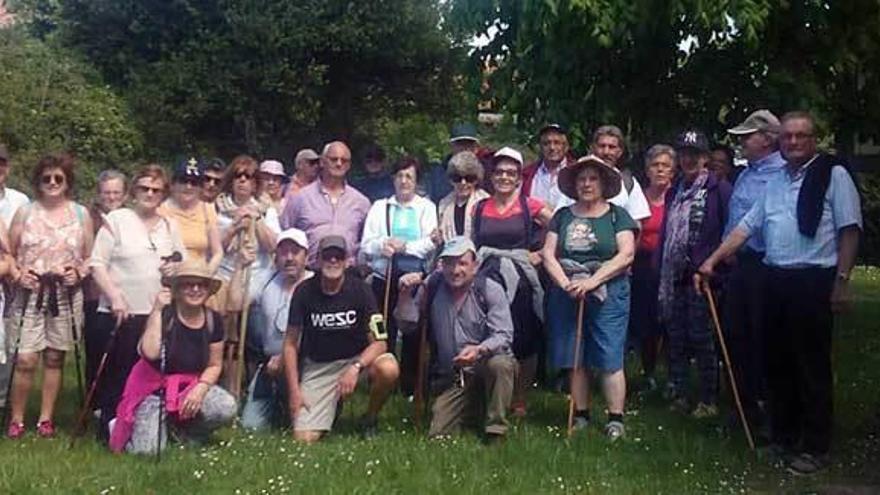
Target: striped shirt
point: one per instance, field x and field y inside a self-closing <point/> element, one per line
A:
<point x="775" y="217"/>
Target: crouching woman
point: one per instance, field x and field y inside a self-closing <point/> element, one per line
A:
<point x="181" y="355"/>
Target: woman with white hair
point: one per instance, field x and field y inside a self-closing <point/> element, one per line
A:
<point x="456" y="210"/>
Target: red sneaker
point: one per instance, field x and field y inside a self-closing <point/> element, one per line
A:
<point x="15" y="430"/>
<point x="46" y="429"/>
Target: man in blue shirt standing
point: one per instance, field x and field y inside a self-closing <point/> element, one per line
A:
<point x="810" y="219"/>
<point x="744" y="299"/>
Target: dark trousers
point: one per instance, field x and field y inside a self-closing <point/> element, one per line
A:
<point x="122" y="357"/>
<point x="743" y="326"/>
<point x="689" y="333"/>
<point x="409" y="351"/>
<point x="95" y="340"/>
<point x="798" y="348"/>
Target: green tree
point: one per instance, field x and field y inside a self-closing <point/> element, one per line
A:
<point x="257" y="75"/>
<point x="652" y="66"/>
<point x="50" y="100"/>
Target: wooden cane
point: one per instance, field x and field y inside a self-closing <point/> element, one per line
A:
<point x="733" y="387"/>
<point x="576" y="364"/>
<point x="243" y="319"/>
<point x="388" y="270"/>
<point x="419" y="396"/>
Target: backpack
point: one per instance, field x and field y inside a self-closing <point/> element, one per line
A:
<point x="402" y="263"/>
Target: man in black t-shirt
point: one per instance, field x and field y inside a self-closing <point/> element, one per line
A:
<point x="334" y="333"/>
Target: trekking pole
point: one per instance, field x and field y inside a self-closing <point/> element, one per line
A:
<point x="163" y="362"/>
<point x="733" y="387"/>
<point x="80" y="426"/>
<point x="419" y="395"/>
<point x="578" y="336"/>
<point x="26" y="293"/>
<point x="76" y="356"/>
<point x="243" y="320"/>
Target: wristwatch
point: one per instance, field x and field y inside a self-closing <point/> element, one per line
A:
<point x="358" y="365"/>
<point x="843" y="276"/>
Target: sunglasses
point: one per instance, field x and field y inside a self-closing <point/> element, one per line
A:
<point x="148" y="189"/>
<point x="211" y="180"/>
<point x="332" y="255"/>
<point x="193" y="285"/>
<point x="53" y="179"/>
<point x="456" y="178"/>
<point x="191" y="181"/>
<point x="244" y="175"/>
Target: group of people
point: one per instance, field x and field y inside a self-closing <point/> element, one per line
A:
<point x="464" y="282"/>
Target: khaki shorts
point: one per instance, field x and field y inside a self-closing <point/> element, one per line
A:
<point x="318" y="386"/>
<point x="40" y="330"/>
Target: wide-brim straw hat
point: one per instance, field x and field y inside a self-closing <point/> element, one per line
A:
<point x="194" y="269"/>
<point x="609" y="176"/>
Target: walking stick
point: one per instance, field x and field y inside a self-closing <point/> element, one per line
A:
<point x="385" y="308"/>
<point x="419" y="396"/>
<point x="163" y="363"/>
<point x="76" y="356"/>
<point x="733" y="387"/>
<point x="578" y="336"/>
<point x="80" y="426"/>
<point x="243" y="319"/>
<point x="26" y="293"/>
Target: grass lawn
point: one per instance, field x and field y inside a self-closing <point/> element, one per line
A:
<point x="663" y="452"/>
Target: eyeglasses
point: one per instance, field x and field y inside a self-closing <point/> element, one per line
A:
<point x="244" y="175"/>
<point x="505" y="172"/>
<point x="148" y="189"/>
<point x="456" y="178"/>
<point x="271" y="178"/>
<point x="53" y="179"/>
<point x="211" y="180"/>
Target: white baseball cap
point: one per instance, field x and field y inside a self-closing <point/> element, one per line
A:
<point x="295" y="235"/>
<point x="508" y="152"/>
<point x="272" y="167"/>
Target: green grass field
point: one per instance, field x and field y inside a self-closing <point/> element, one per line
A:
<point x="663" y="452"/>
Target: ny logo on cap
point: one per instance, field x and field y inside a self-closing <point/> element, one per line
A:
<point x="690" y="137"/>
<point x="192" y="166"/>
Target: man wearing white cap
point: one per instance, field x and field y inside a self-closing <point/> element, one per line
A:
<point x="270" y="179"/>
<point x="744" y="302"/>
<point x="266" y="399"/>
<point x="306" y="168"/>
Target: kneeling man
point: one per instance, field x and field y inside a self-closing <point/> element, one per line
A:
<point x="335" y="335"/>
<point x="472" y="367"/>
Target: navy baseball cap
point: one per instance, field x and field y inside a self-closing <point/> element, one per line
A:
<point x="693" y="139"/>
<point x="188" y="168"/>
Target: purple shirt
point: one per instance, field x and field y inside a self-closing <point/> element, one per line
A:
<point x="312" y="211"/>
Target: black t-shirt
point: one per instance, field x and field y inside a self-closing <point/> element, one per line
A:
<point x="458" y="218"/>
<point x="333" y="326"/>
<point x="186" y="348"/>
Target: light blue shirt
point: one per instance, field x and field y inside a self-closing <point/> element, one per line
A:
<point x="748" y="189"/>
<point x="775" y="217"/>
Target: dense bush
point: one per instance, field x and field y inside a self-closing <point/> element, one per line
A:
<point x="869" y="252"/>
<point x="50" y="100"/>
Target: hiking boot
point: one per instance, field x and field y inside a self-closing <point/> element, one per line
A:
<point x="46" y="428"/>
<point x="705" y="411"/>
<point x="15" y="430"/>
<point x="614" y="430"/>
<point x="805" y="464"/>
<point x="369" y="427"/>
<point x="580" y="423"/>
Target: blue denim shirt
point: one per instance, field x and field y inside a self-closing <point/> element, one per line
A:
<point x="748" y="189"/>
<point x="775" y="217"/>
